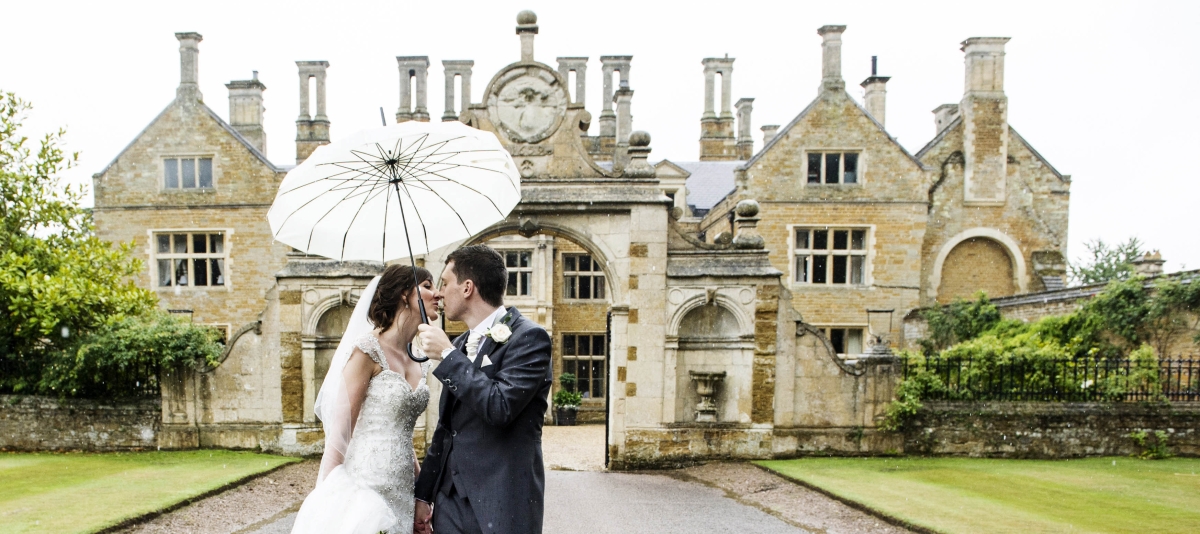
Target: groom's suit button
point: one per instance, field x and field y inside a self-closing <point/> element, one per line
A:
<point x="453" y="433"/>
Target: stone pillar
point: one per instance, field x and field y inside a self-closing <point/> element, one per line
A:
<point x="413" y="67"/>
<point x="189" y="67"/>
<point x="608" y="65"/>
<point x="745" y="143"/>
<point x="875" y="98"/>
<point x="461" y="68"/>
<point x="717" y="141"/>
<point x="769" y="132"/>
<point x="527" y="28"/>
<point x="831" y="58"/>
<point x="984" y="111"/>
<point x="246" y="110"/>
<point x="579" y="65"/>
<point x="624" y="100"/>
<point x="311" y="132"/>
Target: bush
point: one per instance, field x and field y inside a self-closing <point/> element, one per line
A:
<point x="123" y="358"/>
<point x="959" y="321"/>
<point x="567" y="396"/>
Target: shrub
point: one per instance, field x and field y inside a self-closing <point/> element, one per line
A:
<point x="567" y="396"/>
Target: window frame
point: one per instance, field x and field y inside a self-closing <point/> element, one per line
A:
<point x="225" y="255"/>
<point x="179" y="188"/>
<point x="827" y="330"/>
<point x="859" y="166"/>
<point x="602" y="358"/>
<point x="596" y="274"/>
<point x="867" y="253"/>
<point x="529" y="280"/>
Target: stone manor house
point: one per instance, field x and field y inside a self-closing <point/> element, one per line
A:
<point x="739" y="305"/>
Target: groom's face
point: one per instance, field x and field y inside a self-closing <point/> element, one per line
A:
<point x="451" y="293"/>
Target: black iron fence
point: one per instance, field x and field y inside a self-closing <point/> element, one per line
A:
<point x="1063" y="380"/>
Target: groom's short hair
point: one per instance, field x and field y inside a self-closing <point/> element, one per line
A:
<point x="484" y="266"/>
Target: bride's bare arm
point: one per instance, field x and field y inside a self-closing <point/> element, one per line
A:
<point x="357" y="374"/>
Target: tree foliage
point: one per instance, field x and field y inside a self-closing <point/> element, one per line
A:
<point x="958" y="321"/>
<point x="58" y="281"/>
<point x="1106" y="263"/>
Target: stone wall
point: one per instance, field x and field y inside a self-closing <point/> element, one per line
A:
<point x="977" y="264"/>
<point x="49" y="424"/>
<point x="1049" y="430"/>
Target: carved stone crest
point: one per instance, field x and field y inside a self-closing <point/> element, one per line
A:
<point x="527" y="103"/>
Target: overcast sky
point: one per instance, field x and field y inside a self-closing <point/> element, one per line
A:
<point x="1103" y="91"/>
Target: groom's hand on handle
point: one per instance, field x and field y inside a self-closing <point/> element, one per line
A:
<point x="433" y="341"/>
<point x="422" y="518"/>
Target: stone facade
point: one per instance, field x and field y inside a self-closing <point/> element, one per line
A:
<point x="715" y="341"/>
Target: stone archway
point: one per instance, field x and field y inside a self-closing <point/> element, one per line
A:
<point x="978" y="259"/>
<point x="327" y="335"/>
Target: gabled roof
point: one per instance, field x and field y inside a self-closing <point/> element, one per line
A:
<point x="221" y="122"/>
<point x="668" y="163"/>
<point x="709" y="181"/>
<point x="779" y="135"/>
<point x="957" y="121"/>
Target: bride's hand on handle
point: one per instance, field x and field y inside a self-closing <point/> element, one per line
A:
<point x="422" y="518"/>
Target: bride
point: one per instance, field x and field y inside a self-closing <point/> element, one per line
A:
<point x="369" y="402"/>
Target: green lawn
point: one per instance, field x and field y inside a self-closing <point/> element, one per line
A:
<point x="46" y="492"/>
<point x="958" y="495"/>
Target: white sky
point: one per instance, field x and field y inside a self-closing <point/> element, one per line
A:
<point x="1102" y="89"/>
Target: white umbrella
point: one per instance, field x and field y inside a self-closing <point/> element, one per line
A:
<point x="403" y="189"/>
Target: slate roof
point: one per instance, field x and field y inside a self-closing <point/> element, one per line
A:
<point x="710" y="181"/>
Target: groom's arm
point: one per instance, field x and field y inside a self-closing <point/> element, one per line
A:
<point x="498" y="400"/>
<point x="432" y="468"/>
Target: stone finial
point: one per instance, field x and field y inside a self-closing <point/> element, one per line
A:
<point x="246" y="110"/>
<point x="831" y="58"/>
<point x="1150" y="264"/>
<point x="747" y="226"/>
<point x="638" y="153"/>
<point x="189" y="67"/>
<point x="769" y="132"/>
<point x="875" y="98"/>
<point x="413" y="68"/>
<point x="527" y="28"/>
<point x="943" y="115"/>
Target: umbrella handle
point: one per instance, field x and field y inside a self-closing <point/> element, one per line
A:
<point x="424" y="320"/>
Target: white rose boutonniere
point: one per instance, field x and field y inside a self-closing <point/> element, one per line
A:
<point x="499" y="333"/>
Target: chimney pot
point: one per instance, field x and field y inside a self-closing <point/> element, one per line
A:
<point x="1150" y="264"/>
<point x="875" y="98"/>
<point x="831" y="57"/>
<point x="189" y="67"/>
<point x="246" y="110"/>
<point x="769" y="132"/>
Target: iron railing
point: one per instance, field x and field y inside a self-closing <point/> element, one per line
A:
<point x="1061" y="380"/>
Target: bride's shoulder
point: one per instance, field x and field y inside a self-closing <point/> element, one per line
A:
<point x="367" y="343"/>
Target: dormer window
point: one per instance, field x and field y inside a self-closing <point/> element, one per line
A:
<point x="832" y="168"/>
<point x="188" y="173"/>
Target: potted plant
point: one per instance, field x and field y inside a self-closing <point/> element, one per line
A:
<point x="566" y="401"/>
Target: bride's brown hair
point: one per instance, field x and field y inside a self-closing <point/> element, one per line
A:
<point x="394" y="289"/>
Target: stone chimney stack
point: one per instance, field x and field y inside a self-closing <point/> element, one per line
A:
<point x="717" y="142"/>
<point x="769" y="132"/>
<point x="462" y="69"/>
<point x="246" y="110"/>
<point x="745" y="143"/>
<point x="624" y="101"/>
<point x="984" y="111"/>
<point x="876" y="95"/>
<point x="189" y="67"/>
<point x="943" y="115"/>
<point x="831" y="58"/>
<point x="578" y="65"/>
<point x="608" y="119"/>
<point x="413" y="67"/>
<point x="1151" y="264"/>
<point x="311" y="131"/>
<point x="527" y="28"/>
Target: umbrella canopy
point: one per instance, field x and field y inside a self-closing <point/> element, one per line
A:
<point x="398" y="190"/>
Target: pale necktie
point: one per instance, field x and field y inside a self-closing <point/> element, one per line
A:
<point x="473" y="345"/>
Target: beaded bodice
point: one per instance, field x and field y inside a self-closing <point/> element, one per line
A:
<point x="380" y="453"/>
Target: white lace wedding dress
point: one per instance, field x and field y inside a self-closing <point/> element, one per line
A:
<point x="372" y="491"/>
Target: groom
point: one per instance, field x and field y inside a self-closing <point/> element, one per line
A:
<point x="483" y="472"/>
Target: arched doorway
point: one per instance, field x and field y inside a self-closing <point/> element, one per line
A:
<point x="330" y="328"/>
<point x="977" y="264"/>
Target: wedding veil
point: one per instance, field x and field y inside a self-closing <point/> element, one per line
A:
<point x="332" y="406"/>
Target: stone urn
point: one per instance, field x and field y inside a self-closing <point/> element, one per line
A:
<point x="706" y="388"/>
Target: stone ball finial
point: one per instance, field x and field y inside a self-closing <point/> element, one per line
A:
<point x="747" y="208"/>
<point x="526" y="17"/>
<point x="639" y="138"/>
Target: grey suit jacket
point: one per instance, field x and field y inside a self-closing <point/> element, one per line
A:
<point x="488" y="440"/>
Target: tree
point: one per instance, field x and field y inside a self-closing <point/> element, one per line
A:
<point x="1106" y="263"/>
<point x="58" y="281"/>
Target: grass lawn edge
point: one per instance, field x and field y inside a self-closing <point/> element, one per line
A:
<point x="897" y="521"/>
<point x="142" y="518"/>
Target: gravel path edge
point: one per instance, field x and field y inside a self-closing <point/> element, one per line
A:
<point x="138" y="519"/>
<point x="891" y="519"/>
